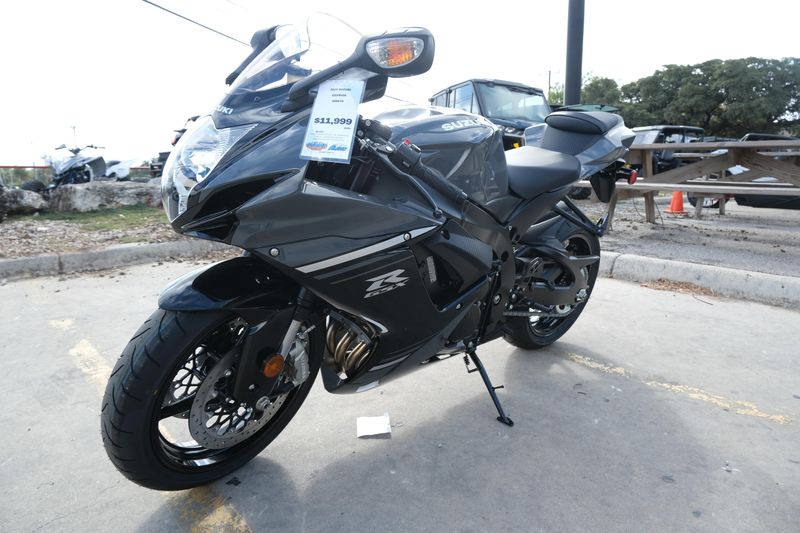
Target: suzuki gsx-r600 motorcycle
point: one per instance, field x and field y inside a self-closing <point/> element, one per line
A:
<point x="428" y="242"/>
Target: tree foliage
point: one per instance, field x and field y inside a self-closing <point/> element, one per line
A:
<point x="555" y="95"/>
<point x="726" y="98"/>
<point x="600" y="91"/>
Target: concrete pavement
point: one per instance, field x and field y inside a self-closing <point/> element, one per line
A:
<point x="657" y="411"/>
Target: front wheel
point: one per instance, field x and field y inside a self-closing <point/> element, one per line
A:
<point x="533" y="333"/>
<point x="168" y="419"/>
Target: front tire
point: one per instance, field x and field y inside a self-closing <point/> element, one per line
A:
<point x="536" y="333"/>
<point x="142" y="426"/>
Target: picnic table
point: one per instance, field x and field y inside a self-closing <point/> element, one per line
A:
<point x="705" y="171"/>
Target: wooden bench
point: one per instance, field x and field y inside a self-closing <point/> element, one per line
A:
<point x="758" y="157"/>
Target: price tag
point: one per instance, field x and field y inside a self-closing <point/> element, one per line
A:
<point x="332" y="125"/>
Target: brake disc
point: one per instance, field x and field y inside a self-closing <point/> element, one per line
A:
<point x="216" y="420"/>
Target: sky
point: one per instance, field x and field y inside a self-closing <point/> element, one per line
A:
<point x="125" y="74"/>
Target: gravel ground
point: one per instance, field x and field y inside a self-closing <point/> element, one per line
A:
<point x="762" y="240"/>
<point x="32" y="236"/>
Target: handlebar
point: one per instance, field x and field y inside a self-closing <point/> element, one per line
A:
<point x="407" y="158"/>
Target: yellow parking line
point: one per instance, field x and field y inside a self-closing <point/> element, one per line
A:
<point x="86" y="357"/>
<point x="200" y="509"/>
<point x="203" y="510"/>
<point x="728" y="404"/>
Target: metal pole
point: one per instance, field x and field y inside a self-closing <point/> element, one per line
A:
<point x="572" y="85"/>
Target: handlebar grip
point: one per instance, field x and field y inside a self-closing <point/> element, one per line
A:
<point x="376" y="129"/>
<point x="409" y="160"/>
<point x="434" y="178"/>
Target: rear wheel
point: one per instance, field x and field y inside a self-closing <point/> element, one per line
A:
<point x="33" y="185"/>
<point x="533" y="333"/>
<point x="580" y="193"/>
<point x="709" y="202"/>
<point x="168" y="419"/>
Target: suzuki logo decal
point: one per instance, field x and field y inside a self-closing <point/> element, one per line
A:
<point x="385" y="283"/>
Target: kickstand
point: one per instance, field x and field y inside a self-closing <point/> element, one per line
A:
<point x="480" y="368"/>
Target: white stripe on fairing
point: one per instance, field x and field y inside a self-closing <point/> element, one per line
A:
<point x="383" y="245"/>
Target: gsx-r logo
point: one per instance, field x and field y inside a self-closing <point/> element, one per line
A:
<point x="385" y="283"/>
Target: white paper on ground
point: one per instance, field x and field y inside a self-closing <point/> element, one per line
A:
<point x="373" y="425"/>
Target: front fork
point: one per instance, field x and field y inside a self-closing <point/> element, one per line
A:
<point x="265" y="350"/>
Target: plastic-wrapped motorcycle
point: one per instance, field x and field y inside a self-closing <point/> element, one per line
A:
<point x="77" y="167"/>
<point x="370" y="248"/>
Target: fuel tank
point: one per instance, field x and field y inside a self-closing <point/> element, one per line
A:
<point x="467" y="149"/>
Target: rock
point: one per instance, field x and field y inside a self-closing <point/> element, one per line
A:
<point x="98" y="195"/>
<point x="19" y="202"/>
<point x="3" y="207"/>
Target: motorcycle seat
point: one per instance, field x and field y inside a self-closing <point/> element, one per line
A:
<point x="589" y="122"/>
<point x="532" y="170"/>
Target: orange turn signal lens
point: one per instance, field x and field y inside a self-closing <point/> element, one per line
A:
<point x="273" y="366"/>
<point x="395" y="52"/>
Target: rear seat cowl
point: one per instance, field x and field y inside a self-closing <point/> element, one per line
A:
<point x="588" y="122"/>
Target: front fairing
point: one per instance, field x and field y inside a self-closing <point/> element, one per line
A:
<point x="263" y="157"/>
<point x="271" y="146"/>
<point x="262" y="107"/>
<point x="61" y="164"/>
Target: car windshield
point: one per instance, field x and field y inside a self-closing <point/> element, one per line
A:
<point x="683" y="136"/>
<point x="298" y="51"/>
<point x="512" y="103"/>
<point x="645" y="137"/>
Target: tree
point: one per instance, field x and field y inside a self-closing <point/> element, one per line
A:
<point x="555" y="94"/>
<point x="726" y="98"/>
<point x="598" y="90"/>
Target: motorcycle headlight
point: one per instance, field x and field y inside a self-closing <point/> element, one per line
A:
<point x="195" y="155"/>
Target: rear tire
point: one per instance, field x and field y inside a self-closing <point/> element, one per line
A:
<point x="33" y="185"/>
<point x="580" y="193"/>
<point x="708" y="203"/>
<point x="134" y="402"/>
<point x="531" y="334"/>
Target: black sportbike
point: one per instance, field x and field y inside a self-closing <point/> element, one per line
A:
<point x="430" y="242"/>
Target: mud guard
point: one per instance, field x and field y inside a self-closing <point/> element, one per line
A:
<point x="251" y="289"/>
<point x="245" y="285"/>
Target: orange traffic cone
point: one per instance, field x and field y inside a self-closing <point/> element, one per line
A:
<point x="676" y="206"/>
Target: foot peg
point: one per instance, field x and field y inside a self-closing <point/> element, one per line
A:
<point x="486" y="381"/>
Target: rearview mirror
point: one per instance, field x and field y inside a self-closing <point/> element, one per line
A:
<point x="397" y="54"/>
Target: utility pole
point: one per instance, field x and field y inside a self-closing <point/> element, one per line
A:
<point x="572" y="85"/>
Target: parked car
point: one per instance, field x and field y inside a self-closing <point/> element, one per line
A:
<point x="762" y="200"/>
<point x="510" y="105"/>
<point x="664" y="160"/>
